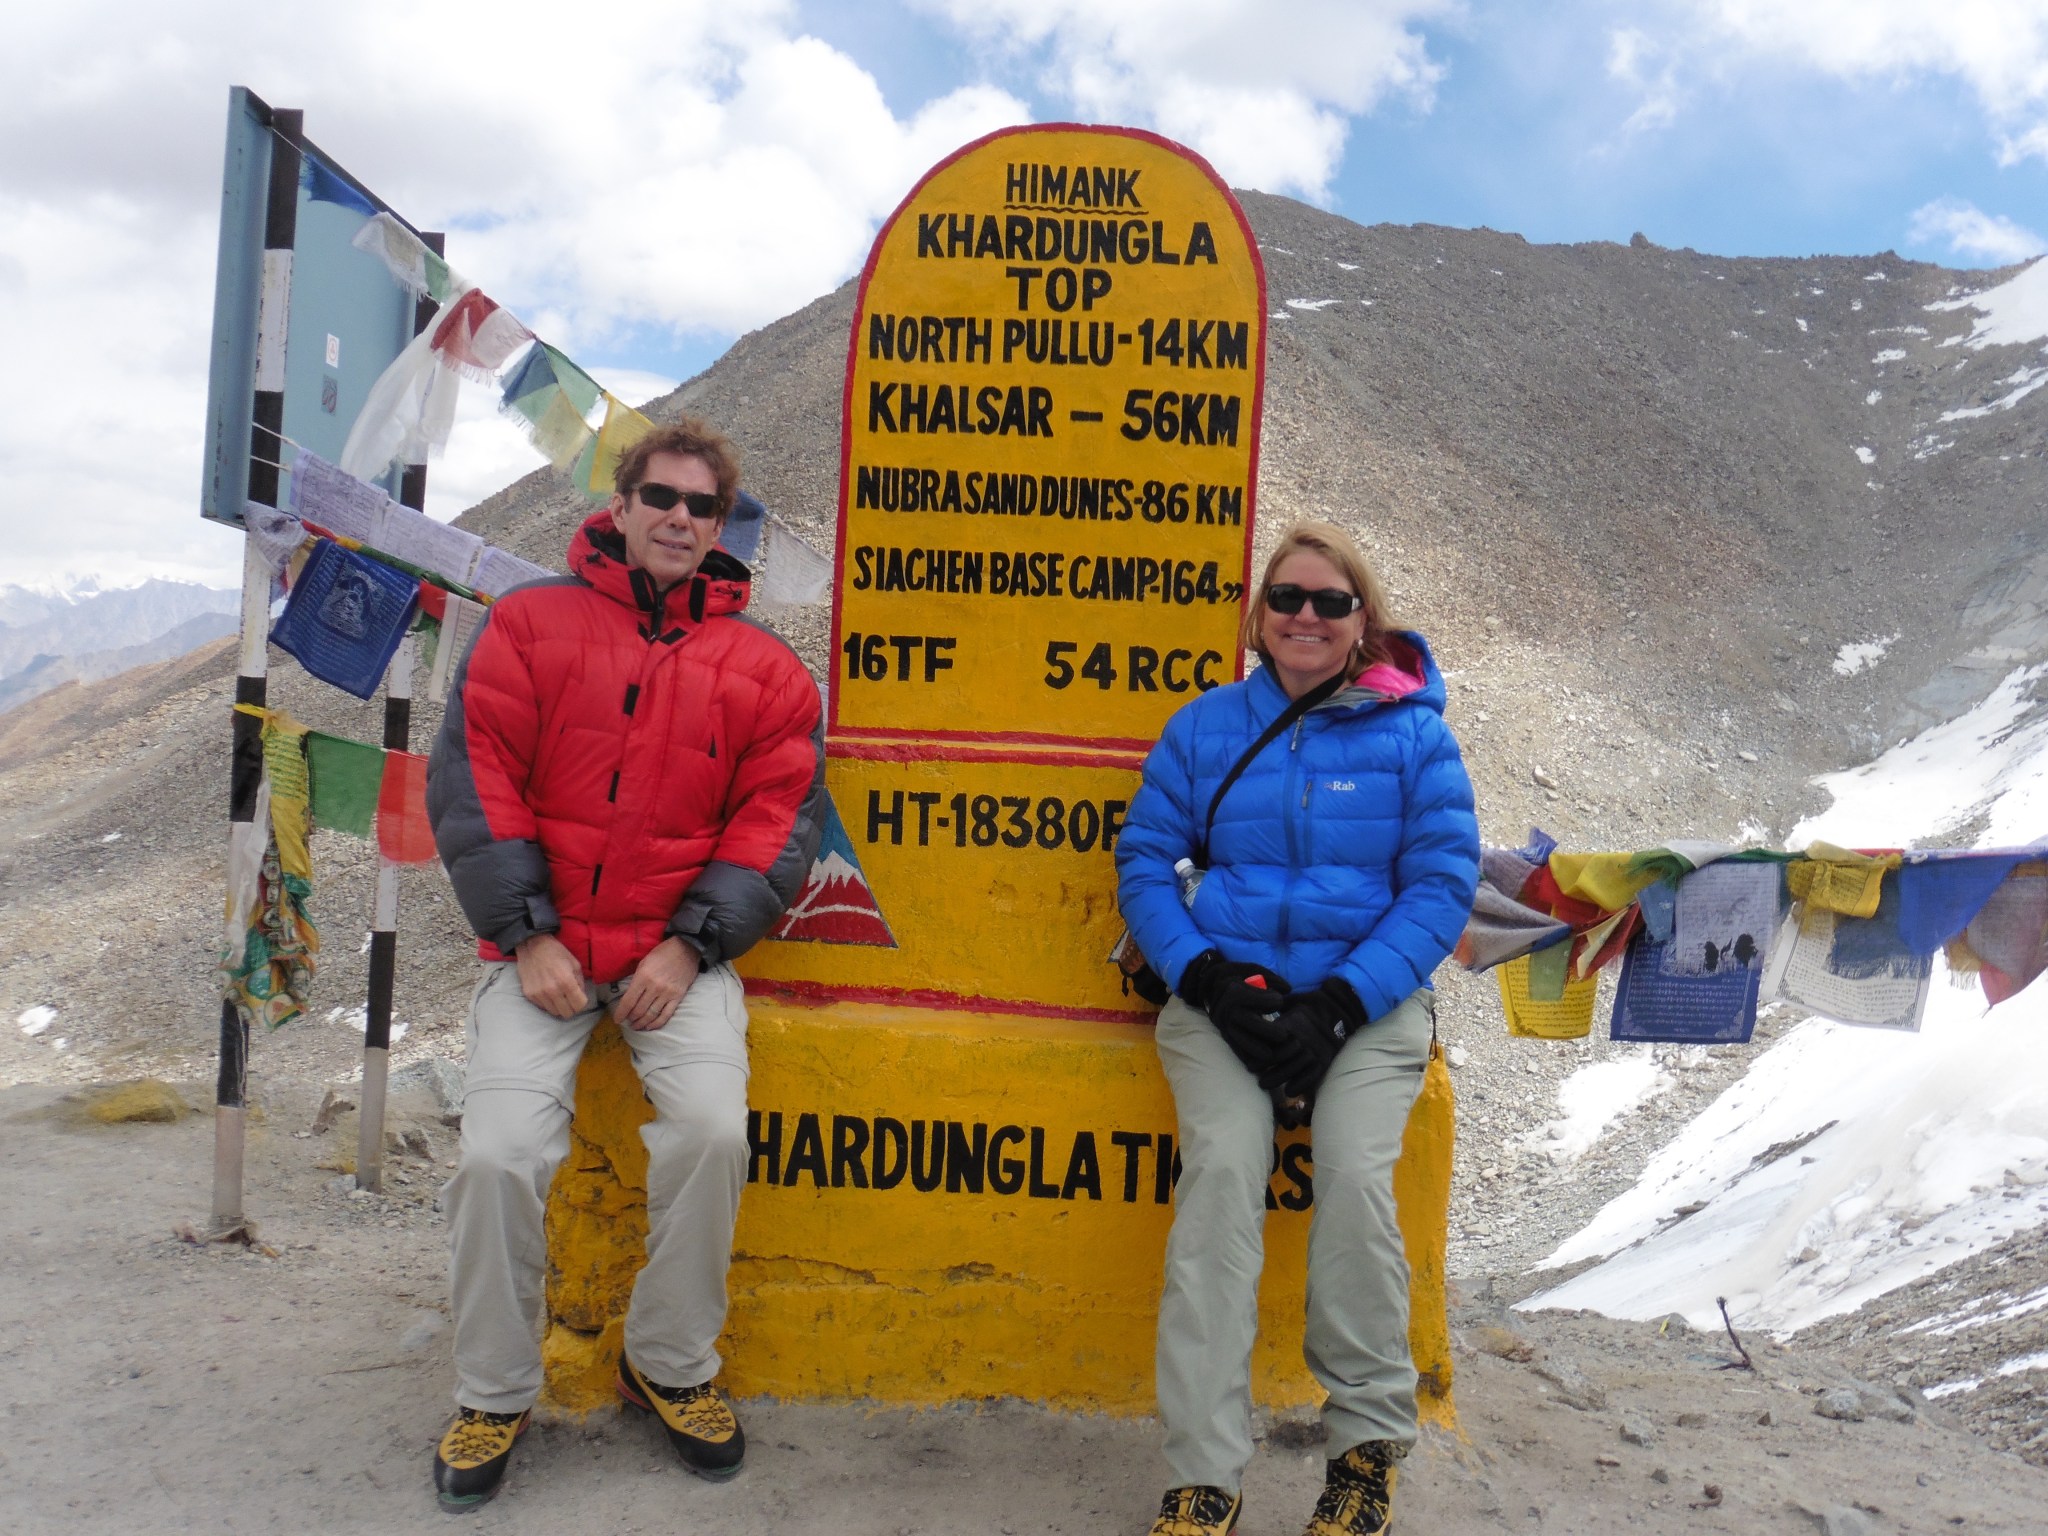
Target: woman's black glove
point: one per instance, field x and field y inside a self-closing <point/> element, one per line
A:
<point x="1241" y="1011"/>
<point x="1305" y="1039"/>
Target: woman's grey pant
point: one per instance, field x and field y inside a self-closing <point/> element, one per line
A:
<point x="1356" y="1342"/>
<point x="519" y="1096"/>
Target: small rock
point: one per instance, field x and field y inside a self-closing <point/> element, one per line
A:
<point x="149" y="1101"/>
<point x="1842" y="1403"/>
<point x="1606" y="1461"/>
<point x="1883" y="1403"/>
<point x="416" y="1142"/>
<point x="1574" y="1389"/>
<point x="1747" y="757"/>
<point x="332" y="1108"/>
<point x="1543" y="779"/>
<point x="1766" y="1419"/>
<point x="1636" y="1431"/>
<point x="1692" y="1421"/>
<point x="1504" y="1344"/>
<point x="1659" y="1475"/>
<point x="438" y="1076"/>
<point x="1457" y="1055"/>
<point x="1838" y="1520"/>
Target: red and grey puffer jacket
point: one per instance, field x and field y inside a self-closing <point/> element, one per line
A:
<point x="619" y="764"/>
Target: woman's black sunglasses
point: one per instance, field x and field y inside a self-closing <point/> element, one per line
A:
<point x="1329" y="602"/>
<point x="664" y="497"/>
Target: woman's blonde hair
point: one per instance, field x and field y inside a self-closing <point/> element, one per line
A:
<point x="1342" y="551"/>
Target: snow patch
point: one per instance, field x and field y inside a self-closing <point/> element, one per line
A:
<point x="1597" y="1095"/>
<point x="1348" y="266"/>
<point x="37" y="1019"/>
<point x="2014" y="313"/>
<point x="1312" y="304"/>
<point x="1799" y="322"/>
<point x="2024" y="1363"/>
<point x="1890" y="355"/>
<point x="2027" y="381"/>
<point x="1866" y="455"/>
<point x="1936" y="1393"/>
<point x="1873" y="397"/>
<point x="1853" y="658"/>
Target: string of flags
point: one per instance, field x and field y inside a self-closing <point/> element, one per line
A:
<point x="1705" y="932"/>
<point x="410" y="410"/>
<point x="270" y="945"/>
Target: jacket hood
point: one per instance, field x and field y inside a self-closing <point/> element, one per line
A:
<point x="597" y="555"/>
<point x="1409" y="675"/>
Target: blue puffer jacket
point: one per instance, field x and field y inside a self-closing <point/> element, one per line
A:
<point x="1348" y="847"/>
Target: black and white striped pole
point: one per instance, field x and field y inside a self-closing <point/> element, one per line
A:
<point x="412" y="492"/>
<point x="246" y="836"/>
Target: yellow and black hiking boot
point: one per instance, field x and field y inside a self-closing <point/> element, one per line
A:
<point x="1199" y="1511"/>
<point x="700" y="1423"/>
<point x="1358" y="1492"/>
<point x="469" y="1463"/>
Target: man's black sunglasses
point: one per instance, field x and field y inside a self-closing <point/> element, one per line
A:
<point x="664" y="497"/>
<point x="1329" y="602"/>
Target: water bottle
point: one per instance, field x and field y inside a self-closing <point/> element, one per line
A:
<point x="1190" y="879"/>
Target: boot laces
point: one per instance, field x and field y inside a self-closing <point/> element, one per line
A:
<point x="477" y="1436"/>
<point x="1199" y="1511"/>
<point x="699" y="1410"/>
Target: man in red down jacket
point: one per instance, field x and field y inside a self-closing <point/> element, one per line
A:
<point x="627" y="792"/>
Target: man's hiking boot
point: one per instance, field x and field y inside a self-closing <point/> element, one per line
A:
<point x="1200" y="1511"/>
<point x="700" y="1423"/>
<point x="470" y="1461"/>
<point x="1358" y="1492"/>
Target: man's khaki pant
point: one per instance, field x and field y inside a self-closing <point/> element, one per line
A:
<point x="519" y="1096"/>
<point x="1356" y="1342"/>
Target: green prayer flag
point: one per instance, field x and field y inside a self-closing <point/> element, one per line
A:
<point x="1548" y="970"/>
<point x="347" y="776"/>
<point x="583" y="391"/>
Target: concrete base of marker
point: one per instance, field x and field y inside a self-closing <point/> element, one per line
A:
<point x="1030" y="1269"/>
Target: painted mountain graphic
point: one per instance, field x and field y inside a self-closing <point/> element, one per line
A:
<point x="836" y="905"/>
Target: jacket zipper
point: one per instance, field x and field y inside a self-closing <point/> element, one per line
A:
<point x="1293" y="842"/>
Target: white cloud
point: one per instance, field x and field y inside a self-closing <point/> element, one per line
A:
<point x="1997" y="48"/>
<point x="691" y="167"/>
<point x="1264" y="92"/>
<point x="1972" y="233"/>
<point x="1635" y="60"/>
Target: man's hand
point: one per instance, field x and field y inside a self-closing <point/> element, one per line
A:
<point x="550" y="976"/>
<point x="658" y="985"/>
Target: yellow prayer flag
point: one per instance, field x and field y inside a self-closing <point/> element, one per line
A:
<point x="1600" y="878"/>
<point x="1569" y="1018"/>
<point x="623" y="427"/>
<point x="1838" y="880"/>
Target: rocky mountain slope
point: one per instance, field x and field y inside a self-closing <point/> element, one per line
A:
<point x="1641" y="500"/>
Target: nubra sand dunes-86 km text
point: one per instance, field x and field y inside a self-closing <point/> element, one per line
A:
<point x="1707" y="548"/>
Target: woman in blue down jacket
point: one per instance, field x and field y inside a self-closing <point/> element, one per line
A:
<point x="1339" y="873"/>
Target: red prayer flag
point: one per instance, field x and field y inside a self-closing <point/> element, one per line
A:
<point x="403" y="833"/>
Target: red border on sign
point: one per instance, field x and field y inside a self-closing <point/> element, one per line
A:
<point x="898" y="750"/>
<point x="860" y="305"/>
<point x="949" y="1002"/>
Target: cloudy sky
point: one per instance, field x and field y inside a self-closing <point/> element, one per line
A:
<point x="647" y="181"/>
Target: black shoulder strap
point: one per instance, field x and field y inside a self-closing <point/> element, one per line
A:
<point x="1293" y="712"/>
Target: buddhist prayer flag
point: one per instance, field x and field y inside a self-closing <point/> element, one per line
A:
<point x="475" y="335"/>
<point x="403" y="833"/>
<point x="347" y="778"/>
<point x="623" y="427"/>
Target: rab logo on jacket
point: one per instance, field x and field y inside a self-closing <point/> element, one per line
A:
<point x="1341" y="784"/>
<point x="836" y="905"/>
